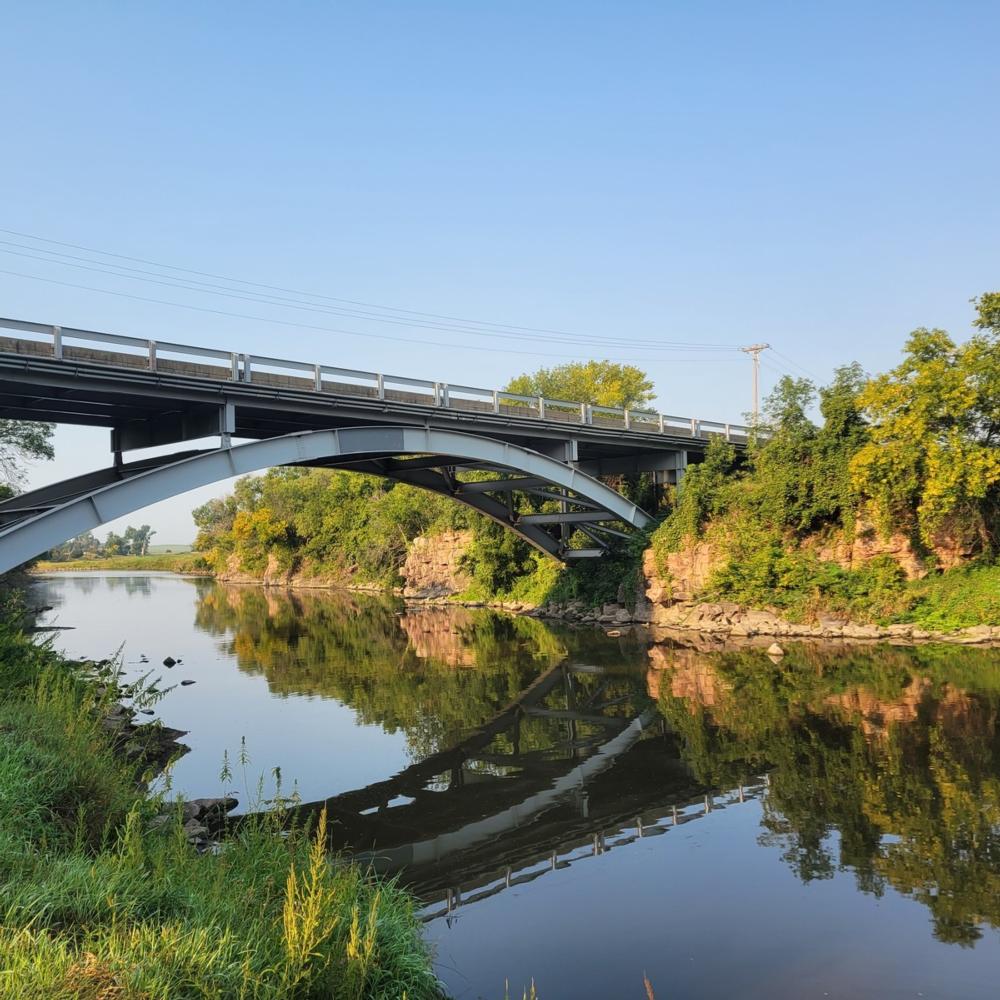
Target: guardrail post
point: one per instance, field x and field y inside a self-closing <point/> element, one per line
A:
<point x="729" y="433"/>
<point x="380" y="386"/>
<point x="235" y="362"/>
<point x="661" y="424"/>
<point x="152" y="355"/>
<point x="695" y="427"/>
<point x="541" y="407"/>
<point x="445" y="398"/>
<point x="583" y="413"/>
<point x="590" y="413"/>
<point x="246" y="368"/>
<point x="628" y="421"/>
<point x="318" y="378"/>
<point x="496" y="401"/>
<point x="57" y="343"/>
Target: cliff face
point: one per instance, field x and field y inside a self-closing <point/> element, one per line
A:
<point x="433" y="565"/>
<point x="950" y="547"/>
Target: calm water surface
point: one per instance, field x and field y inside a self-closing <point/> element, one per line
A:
<point x="579" y="809"/>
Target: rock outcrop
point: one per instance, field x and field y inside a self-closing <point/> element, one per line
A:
<point x="433" y="566"/>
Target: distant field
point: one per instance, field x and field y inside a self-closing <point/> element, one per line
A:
<point x="159" y="550"/>
<point x="174" y="562"/>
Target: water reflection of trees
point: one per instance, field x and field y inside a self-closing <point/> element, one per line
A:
<point x="430" y="674"/>
<point x="893" y="751"/>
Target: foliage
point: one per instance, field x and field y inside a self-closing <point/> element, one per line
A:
<point x="325" y="522"/>
<point x="705" y="495"/>
<point x="963" y="597"/>
<point x="916" y="448"/>
<point x="933" y="455"/>
<point x="601" y="383"/>
<point x="94" y="903"/>
<point x="497" y="558"/>
<point x="22" y="441"/>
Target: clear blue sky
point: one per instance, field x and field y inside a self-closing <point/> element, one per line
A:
<point x="823" y="177"/>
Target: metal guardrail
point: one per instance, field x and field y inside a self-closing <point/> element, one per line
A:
<point x="71" y="344"/>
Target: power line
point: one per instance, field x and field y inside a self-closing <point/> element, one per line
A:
<point x="98" y="267"/>
<point x="498" y="327"/>
<point x="347" y="333"/>
<point x="795" y="364"/>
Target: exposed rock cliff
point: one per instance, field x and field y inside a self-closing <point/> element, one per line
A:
<point x="433" y="565"/>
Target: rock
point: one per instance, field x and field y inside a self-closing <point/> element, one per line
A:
<point x="194" y="830"/>
<point x="775" y="650"/>
<point x="169" y="661"/>
<point x="212" y="809"/>
<point x="186" y="682"/>
<point x="974" y="634"/>
<point x="433" y="566"/>
<point x="146" y="711"/>
<point x="761" y="622"/>
<point x="613" y="632"/>
<point x="851" y="631"/>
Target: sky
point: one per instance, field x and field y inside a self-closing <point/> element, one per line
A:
<point x="821" y="177"/>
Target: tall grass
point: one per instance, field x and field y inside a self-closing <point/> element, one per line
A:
<point x="96" y="904"/>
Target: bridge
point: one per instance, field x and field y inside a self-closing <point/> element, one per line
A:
<point x="265" y="411"/>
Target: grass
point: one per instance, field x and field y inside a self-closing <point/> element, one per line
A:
<point x="96" y="904"/>
<point x="172" y="562"/>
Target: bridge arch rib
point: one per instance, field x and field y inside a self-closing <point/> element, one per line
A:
<point x="32" y="523"/>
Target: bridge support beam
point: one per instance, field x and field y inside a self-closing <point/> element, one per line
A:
<point x="188" y="424"/>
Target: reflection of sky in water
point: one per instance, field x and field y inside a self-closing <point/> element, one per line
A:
<point x="316" y="741"/>
<point x="705" y="911"/>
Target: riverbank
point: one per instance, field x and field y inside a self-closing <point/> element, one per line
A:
<point x="101" y="900"/>
<point x="187" y="563"/>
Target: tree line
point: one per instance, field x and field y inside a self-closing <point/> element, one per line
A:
<point x="134" y="541"/>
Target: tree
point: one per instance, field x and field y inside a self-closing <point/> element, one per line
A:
<point x="988" y="312"/>
<point x="601" y="383"/>
<point x="933" y="458"/>
<point x="22" y="441"/>
<point x="136" y="540"/>
<point x="114" y="545"/>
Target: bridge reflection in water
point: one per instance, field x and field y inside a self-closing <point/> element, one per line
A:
<point x="539" y="747"/>
<point x="580" y="762"/>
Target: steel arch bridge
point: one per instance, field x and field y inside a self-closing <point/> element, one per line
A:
<point x="149" y="394"/>
<point x="431" y="459"/>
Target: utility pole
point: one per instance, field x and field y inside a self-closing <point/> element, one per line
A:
<point x="754" y="351"/>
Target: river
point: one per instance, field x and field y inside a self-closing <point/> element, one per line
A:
<point x="583" y="810"/>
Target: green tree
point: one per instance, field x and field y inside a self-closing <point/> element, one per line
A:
<point x="136" y="540"/>
<point x="601" y="383"/>
<point x="22" y="441"/>
<point x="988" y="312"/>
<point x="932" y="460"/>
<point x="114" y="545"/>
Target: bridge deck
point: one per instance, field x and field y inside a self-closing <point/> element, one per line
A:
<point x="99" y="379"/>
